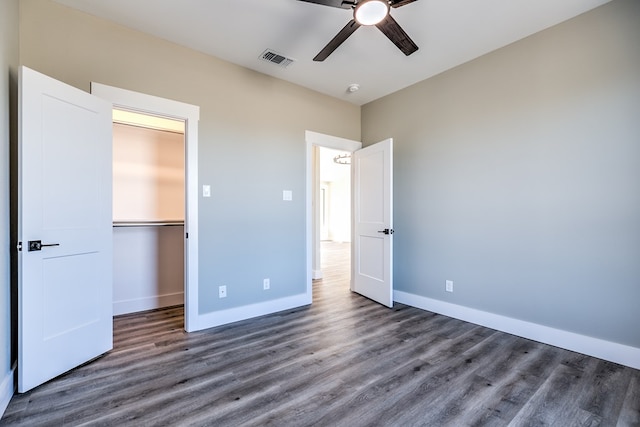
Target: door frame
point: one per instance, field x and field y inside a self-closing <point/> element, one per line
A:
<point x="148" y="104"/>
<point x="313" y="140"/>
<point x="323" y="201"/>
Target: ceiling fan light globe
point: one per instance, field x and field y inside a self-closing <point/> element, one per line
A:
<point x="371" y="12"/>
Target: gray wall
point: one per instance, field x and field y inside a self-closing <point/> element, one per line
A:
<point x="517" y="176"/>
<point x="8" y="81"/>
<point x="251" y="136"/>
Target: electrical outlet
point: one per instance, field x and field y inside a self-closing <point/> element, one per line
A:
<point x="222" y="291"/>
<point x="449" y="286"/>
<point x="266" y="284"/>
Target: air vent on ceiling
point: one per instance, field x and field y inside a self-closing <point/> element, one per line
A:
<point x="276" y="58"/>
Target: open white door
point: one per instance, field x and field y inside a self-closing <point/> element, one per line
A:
<point x="372" y="259"/>
<point x="65" y="261"/>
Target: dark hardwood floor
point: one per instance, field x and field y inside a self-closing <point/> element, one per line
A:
<point x="344" y="361"/>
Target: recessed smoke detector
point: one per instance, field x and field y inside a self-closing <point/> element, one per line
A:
<point x="354" y="87"/>
<point x="276" y="58"/>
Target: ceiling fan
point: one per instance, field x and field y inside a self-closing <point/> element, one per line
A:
<point x="368" y="12"/>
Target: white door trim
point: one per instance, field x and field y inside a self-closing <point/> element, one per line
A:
<point x="320" y="140"/>
<point x="149" y="104"/>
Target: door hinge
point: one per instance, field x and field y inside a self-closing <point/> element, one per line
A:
<point x="19" y="246"/>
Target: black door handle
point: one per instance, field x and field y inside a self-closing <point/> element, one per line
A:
<point x="386" y="231"/>
<point x="36" y="245"/>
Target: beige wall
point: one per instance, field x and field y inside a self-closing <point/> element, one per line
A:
<point x="251" y="135"/>
<point x="517" y="176"/>
<point x="148" y="174"/>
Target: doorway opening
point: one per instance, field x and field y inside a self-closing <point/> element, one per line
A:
<point x="148" y="211"/>
<point x="123" y="99"/>
<point x="316" y="142"/>
<point x="334" y="215"/>
<point x="371" y="272"/>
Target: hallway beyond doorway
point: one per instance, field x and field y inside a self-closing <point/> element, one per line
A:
<point x="336" y="263"/>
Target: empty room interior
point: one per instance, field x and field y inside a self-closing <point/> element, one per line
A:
<point x="500" y="284"/>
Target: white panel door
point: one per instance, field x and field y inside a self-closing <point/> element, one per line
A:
<point x="372" y="169"/>
<point x="65" y="265"/>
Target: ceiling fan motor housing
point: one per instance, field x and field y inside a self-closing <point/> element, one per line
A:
<point x="371" y="12"/>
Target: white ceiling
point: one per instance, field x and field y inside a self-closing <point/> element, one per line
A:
<point x="448" y="33"/>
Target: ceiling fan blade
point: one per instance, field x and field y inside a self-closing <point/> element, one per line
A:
<point x="397" y="3"/>
<point x="342" y="4"/>
<point x="396" y="34"/>
<point x="337" y="40"/>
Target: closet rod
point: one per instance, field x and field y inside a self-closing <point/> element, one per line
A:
<point x="147" y="223"/>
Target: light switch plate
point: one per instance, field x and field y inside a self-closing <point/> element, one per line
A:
<point x="206" y="191"/>
<point x="287" y="195"/>
<point x="448" y="285"/>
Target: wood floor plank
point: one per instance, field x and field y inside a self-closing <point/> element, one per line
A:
<point x="517" y="386"/>
<point x="342" y="361"/>
<point x="630" y="412"/>
<point x="606" y="392"/>
<point x="554" y="399"/>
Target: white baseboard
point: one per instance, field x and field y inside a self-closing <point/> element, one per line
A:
<point x="316" y="274"/>
<point x="231" y="315"/>
<point x="6" y="390"/>
<point x="607" y="350"/>
<point x="148" y="303"/>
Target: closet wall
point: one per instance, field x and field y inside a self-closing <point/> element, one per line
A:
<point x="148" y="213"/>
